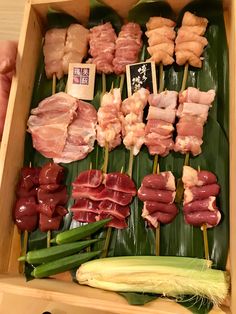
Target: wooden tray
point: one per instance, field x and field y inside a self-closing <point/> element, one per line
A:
<point x="57" y="291"/>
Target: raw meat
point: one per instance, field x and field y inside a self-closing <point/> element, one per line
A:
<point x="63" y="128"/>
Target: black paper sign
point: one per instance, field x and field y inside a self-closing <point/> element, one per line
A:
<point x="140" y="75"/>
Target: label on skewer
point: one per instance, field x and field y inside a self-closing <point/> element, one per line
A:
<point x="142" y="74"/>
<point x="81" y="80"/>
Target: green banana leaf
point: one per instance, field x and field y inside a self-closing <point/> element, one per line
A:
<point x="193" y="304"/>
<point x="177" y="238"/>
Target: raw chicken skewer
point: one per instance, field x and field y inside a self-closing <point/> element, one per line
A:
<point x="127" y="49"/>
<point x="63" y="46"/>
<point x="53" y="50"/>
<point x="133" y="128"/>
<point x="193" y="112"/>
<point x="109" y="114"/>
<point x="129" y="37"/>
<point x="189" y="46"/>
<point x="161" y="35"/>
<point x="200" y="208"/>
<point x="102" y="40"/>
<point x="108" y="134"/>
<point x="159" y="128"/>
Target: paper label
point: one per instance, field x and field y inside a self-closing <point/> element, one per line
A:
<point x="81" y="80"/>
<point x="142" y="74"/>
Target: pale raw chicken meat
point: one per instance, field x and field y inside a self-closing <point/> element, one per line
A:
<point x="128" y="46"/>
<point x="81" y="134"/>
<point x="164" y="99"/>
<point x="185" y="144"/>
<point x="158" y="39"/>
<point x="193" y="116"/>
<point x="161" y="35"/>
<point x="190" y="126"/>
<point x="159" y="128"/>
<point x="61" y="102"/>
<point x="63" y="128"/>
<point x="167" y="47"/>
<point x="53" y="52"/>
<point x="134" y="138"/>
<point x="109" y="120"/>
<point x="189" y="41"/>
<point x="70" y="57"/>
<point x="198" y="29"/>
<point x="161" y="114"/>
<point x="158" y="145"/>
<point x="158" y="21"/>
<point x="194" y="95"/>
<point x="182" y="57"/>
<point x="63" y="46"/>
<point x="56" y="38"/>
<point x="102" y="47"/>
<point x="135" y="103"/>
<point x="161" y="56"/>
<point x="76" y="46"/>
<point x="194" y="46"/>
<point x="77" y="39"/>
<point x="168" y="32"/>
<point x="184" y="35"/>
<point x="190" y="19"/>
<point x="133" y="128"/>
<point x="193" y="109"/>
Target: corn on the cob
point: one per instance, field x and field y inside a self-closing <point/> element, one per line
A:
<point x="170" y="276"/>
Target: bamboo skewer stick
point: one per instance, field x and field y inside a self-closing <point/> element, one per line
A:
<point x="109" y="229"/>
<point x="48" y="238"/>
<point x="131" y="161"/>
<point x="107" y="242"/>
<point x="122" y="80"/>
<point x="104" y="87"/>
<point x="155" y="164"/>
<point x="105" y="166"/>
<point x="54" y="81"/>
<point x="106" y="156"/>
<point x="185" y="77"/>
<point x="180" y="187"/>
<point x="157" y="232"/>
<point x="206" y="246"/>
<point x="157" y="246"/>
<point x="205" y="241"/>
<point x="161" y="78"/>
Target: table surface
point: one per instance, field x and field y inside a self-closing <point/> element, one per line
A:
<point x="11" y="16"/>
